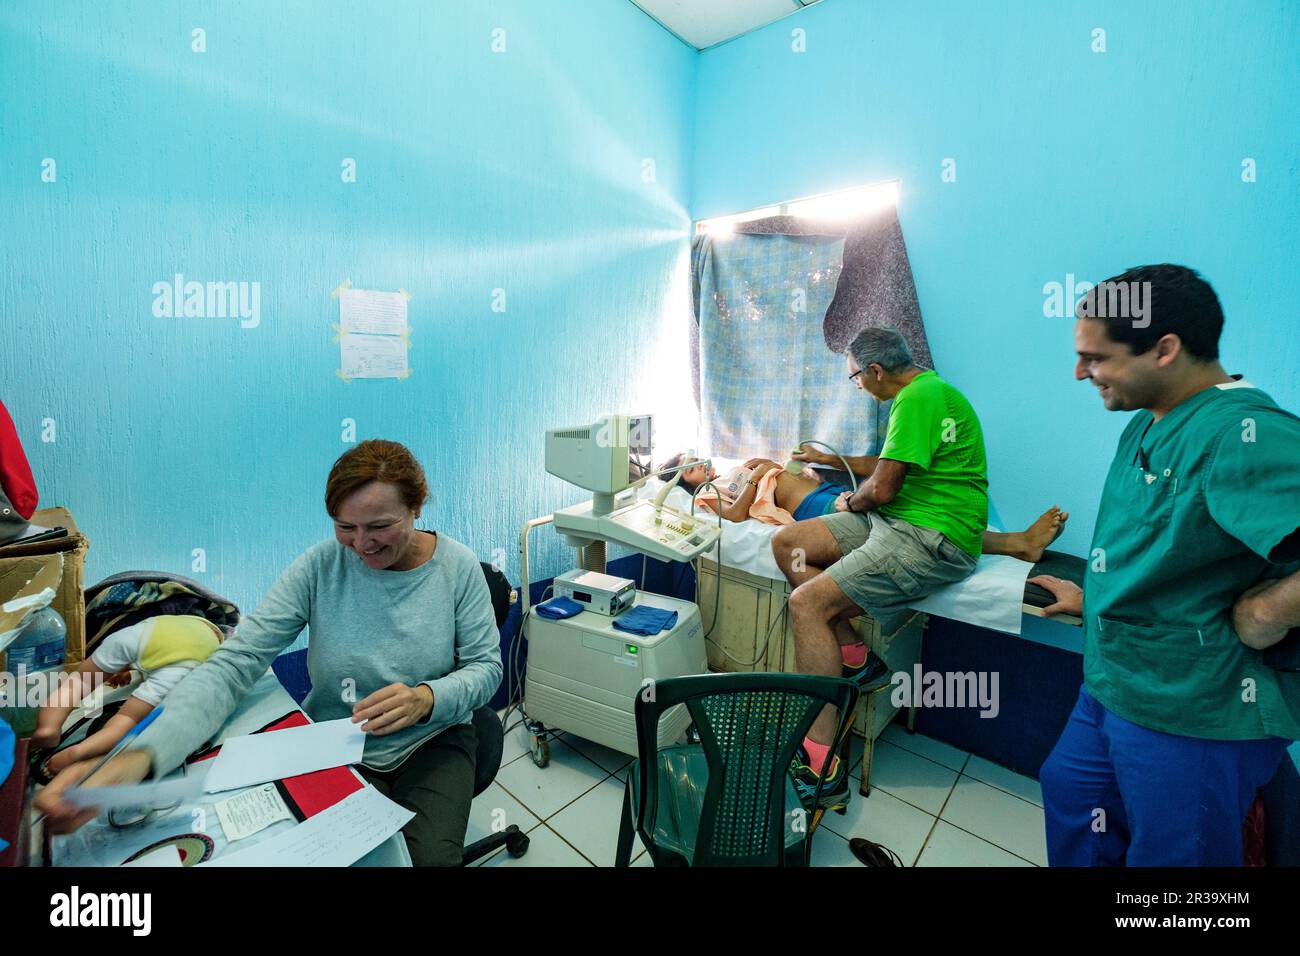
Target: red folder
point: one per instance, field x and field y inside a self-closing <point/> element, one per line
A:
<point x="309" y="793"/>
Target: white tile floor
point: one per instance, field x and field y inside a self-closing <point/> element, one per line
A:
<point x="932" y="804"/>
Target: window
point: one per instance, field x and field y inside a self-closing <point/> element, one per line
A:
<point x="839" y="205"/>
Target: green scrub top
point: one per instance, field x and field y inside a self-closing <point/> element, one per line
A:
<point x="1195" y="509"/>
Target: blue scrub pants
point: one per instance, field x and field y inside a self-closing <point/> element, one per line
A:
<point x="1117" y="794"/>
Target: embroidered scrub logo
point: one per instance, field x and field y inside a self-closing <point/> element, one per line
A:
<point x="1109" y="300"/>
<point x="946" y="689"/>
<point x="208" y="300"/>
<point x="103" y="909"/>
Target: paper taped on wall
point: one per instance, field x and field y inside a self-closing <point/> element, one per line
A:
<point x="373" y="356"/>
<point x="374" y="313"/>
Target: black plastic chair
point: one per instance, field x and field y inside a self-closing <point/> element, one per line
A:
<point x="491" y="739"/>
<point x="729" y="800"/>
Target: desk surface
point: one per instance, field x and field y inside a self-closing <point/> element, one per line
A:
<point x="99" y="844"/>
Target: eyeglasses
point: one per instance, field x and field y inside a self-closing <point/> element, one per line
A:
<point x="856" y="374"/>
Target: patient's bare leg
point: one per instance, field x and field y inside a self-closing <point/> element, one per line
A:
<point x="1028" y="545"/>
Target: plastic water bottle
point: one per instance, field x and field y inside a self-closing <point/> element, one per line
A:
<point x="40" y="646"/>
<point x="41" y="643"/>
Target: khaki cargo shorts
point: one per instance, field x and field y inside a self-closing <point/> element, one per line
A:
<point x="888" y="563"/>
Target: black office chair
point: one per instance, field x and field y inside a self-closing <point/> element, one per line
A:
<point x="491" y="740"/>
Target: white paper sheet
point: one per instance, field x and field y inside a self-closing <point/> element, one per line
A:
<point x="337" y="836"/>
<point x="157" y="794"/>
<point x="251" y="811"/>
<point x="373" y="356"/>
<point x="379" y="313"/>
<point x="259" y="758"/>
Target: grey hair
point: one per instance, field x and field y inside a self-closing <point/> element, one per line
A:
<point x="883" y="346"/>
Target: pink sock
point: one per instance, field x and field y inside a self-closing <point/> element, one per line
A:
<point x="854" y="655"/>
<point x="816" y="753"/>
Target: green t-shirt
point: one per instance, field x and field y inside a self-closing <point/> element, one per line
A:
<point x="1196" y="508"/>
<point x="934" y="429"/>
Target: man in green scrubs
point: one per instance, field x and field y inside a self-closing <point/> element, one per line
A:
<point x="1190" y="581"/>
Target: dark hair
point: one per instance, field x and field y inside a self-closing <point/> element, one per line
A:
<point x="676" y="462"/>
<point x="1178" y="302"/>
<point x="376" y="460"/>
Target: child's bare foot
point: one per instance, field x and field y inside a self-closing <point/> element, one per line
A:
<point x="1035" y="539"/>
<point x="64" y="758"/>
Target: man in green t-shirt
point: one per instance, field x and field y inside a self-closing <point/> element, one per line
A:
<point x="912" y="526"/>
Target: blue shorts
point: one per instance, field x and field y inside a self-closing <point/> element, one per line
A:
<point x="820" y="501"/>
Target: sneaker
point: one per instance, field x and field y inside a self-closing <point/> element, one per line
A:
<point x="872" y="674"/>
<point x="835" y="791"/>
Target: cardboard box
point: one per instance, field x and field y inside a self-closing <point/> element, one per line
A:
<point x="58" y="563"/>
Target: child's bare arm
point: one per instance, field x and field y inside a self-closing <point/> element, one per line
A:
<point x="49" y="722"/>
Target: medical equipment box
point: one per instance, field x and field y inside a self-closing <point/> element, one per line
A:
<point x="584" y="675"/>
<point x="602" y="593"/>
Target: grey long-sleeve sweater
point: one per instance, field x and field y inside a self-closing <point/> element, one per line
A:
<point x="432" y="625"/>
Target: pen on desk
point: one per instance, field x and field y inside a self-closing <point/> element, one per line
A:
<point x="117" y="749"/>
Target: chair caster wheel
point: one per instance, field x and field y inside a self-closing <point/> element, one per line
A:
<point x="517" y="844"/>
<point x="541" y="750"/>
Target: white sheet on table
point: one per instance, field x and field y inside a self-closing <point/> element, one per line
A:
<point x="991" y="597"/>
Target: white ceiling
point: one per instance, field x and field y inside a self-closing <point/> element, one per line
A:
<point x="706" y="23"/>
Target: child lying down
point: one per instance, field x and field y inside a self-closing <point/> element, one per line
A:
<point x="163" y="648"/>
<point x="762" y="490"/>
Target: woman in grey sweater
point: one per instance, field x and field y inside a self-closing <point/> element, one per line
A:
<point x="403" y="640"/>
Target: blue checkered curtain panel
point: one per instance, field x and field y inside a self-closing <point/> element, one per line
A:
<point x="766" y="377"/>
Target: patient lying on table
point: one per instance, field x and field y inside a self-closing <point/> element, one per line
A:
<point x="163" y="648"/>
<point x="762" y="490"/>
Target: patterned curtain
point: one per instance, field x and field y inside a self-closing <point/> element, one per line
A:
<point x="767" y="378"/>
<point x="775" y="304"/>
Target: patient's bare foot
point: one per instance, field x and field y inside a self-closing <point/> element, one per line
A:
<point x="1033" y="541"/>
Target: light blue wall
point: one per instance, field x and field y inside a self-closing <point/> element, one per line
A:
<point x="1067" y="161"/>
<point x="521" y="170"/>
<point x="525" y="171"/>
